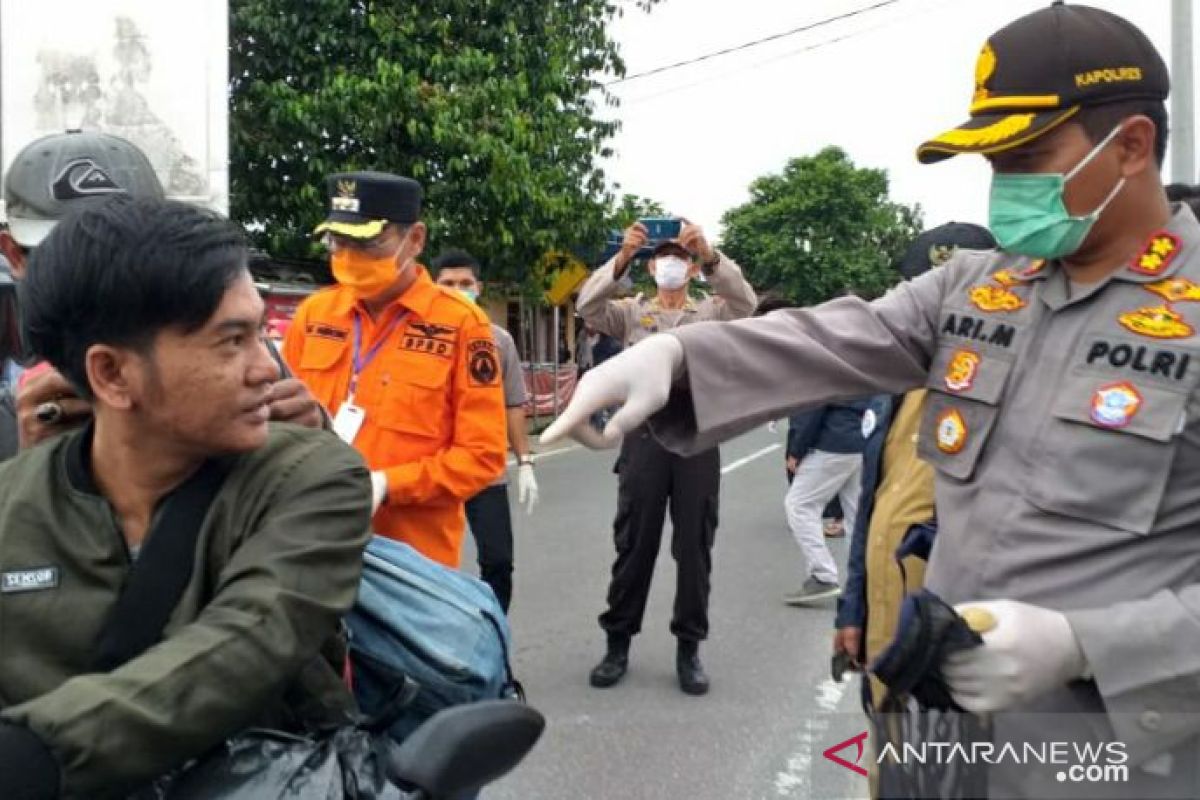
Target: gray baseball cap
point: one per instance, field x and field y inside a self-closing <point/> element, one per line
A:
<point x="53" y="173"/>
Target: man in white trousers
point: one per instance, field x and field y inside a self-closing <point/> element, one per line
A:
<point x="824" y="457"/>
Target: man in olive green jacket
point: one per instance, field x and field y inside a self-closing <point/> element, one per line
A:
<point x="147" y="308"/>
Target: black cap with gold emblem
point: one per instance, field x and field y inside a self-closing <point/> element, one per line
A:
<point x="361" y="204"/>
<point x="1037" y="72"/>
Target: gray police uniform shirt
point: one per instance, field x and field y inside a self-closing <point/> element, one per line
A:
<point x="513" y="377"/>
<point x="1064" y="427"/>
<point x="632" y="319"/>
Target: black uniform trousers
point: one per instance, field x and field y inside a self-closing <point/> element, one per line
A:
<point x="491" y="525"/>
<point x="651" y="477"/>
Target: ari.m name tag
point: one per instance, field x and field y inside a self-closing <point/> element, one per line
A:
<point x="29" y="580"/>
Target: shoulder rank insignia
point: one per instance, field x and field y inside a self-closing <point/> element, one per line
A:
<point x="951" y="431"/>
<point x="1157" y="254"/>
<point x="996" y="298"/>
<point x="1115" y="405"/>
<point x="649" y="323"/>
<point x="1157" y="322"/>
<point x="961" y="371"/>
<point x="1174" y="290"/>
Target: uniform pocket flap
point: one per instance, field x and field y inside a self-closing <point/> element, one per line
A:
<point x="1151" y="412"/>
<point x="967" y="372"/>
<point x="321" y="353"/>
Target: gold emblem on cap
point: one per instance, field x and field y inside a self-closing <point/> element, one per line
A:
<point x="347" y="188"/>
<point x="985" y="67"/>
<point x="978" y="619"/>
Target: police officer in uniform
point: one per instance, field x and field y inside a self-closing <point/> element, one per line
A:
<point x="1063" y="418"/>
<point x="650" y="477"/>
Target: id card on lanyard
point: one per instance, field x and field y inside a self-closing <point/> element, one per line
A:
<point x="350" y="417"/>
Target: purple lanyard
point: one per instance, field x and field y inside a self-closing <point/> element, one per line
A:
<point x="361" y="361"/>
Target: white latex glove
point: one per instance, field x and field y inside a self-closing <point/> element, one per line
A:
<point x="378" y="490"/>
<point x="527" y="487"/>
<point x="1030" y="651"/>
<point x="638" y="379"/>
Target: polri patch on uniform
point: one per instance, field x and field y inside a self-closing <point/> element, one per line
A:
<point x="961" y="371"/>
<point x="482" y="365"/>
<point x="37" y="579"/>
<point x="1157" y="255"/>
<point x="951" y="431"/>
<point x="996" y="298"/>
<point x="1157" y="322"/>
<point x="1175" y="290"/>
<point x="323" y="331"/>
<point x="1115" y="405"/>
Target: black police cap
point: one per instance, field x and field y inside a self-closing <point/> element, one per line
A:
<point x="361" y="204"/>
<point x="935" y="246"/>
<point x="1038" y="71"/>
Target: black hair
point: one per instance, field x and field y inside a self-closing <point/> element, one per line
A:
<point x="1099" y="121"/>
<point x="457" y="259"/>
<point x="119" y="271"/>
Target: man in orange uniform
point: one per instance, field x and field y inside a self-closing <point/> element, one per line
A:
<point x="408" y="370"/>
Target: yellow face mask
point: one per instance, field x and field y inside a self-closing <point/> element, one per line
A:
<point x="364" y="274"/>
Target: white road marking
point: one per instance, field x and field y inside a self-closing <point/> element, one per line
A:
<point x="741" y="462"/>
<point x="795" y="781"/>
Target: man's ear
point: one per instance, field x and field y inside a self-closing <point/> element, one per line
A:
<point x="116" y="375"/>
<point x="1135" y="145"/>
<point x="420" y="233"/>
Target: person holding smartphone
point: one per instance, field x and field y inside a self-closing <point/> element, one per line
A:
<point x="651" y="478"/>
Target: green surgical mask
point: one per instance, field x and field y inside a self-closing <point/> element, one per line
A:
<point x="1028" y="216"/>
<point x="470" y="294"/>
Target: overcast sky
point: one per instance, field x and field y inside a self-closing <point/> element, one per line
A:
<point x="694" y="138"/>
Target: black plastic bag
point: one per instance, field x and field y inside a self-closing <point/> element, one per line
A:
<point x="345" y="764"/>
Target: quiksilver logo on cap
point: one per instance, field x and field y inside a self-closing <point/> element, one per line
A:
<point x="83" y="177"/>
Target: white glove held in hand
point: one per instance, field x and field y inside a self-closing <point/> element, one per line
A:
<point x="638" y="379"/>
<point x="378" y="490"/>
<point x="527" y="487"/>
<point x="1030" y="651"/>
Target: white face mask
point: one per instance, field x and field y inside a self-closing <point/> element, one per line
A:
<point x="671" y="272"/>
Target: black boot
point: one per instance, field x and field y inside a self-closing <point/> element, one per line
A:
<point x="692" y="679"/>
<point x="612" y="667"/>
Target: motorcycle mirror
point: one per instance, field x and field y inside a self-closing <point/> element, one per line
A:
<point x="461" y="749"/>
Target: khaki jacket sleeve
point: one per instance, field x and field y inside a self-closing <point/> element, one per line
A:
<point x="741" y="374"/>
<point x="597" y="306"/>
<point x="276" y="602"/>
<point x="730" y="285"/>
<point x="475" y="455"/>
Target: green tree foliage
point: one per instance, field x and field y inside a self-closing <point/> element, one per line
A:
<point x="491" y="104"/>
<point x="820" y="228"/>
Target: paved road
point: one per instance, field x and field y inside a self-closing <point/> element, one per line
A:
<point x="772" y="711"/>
